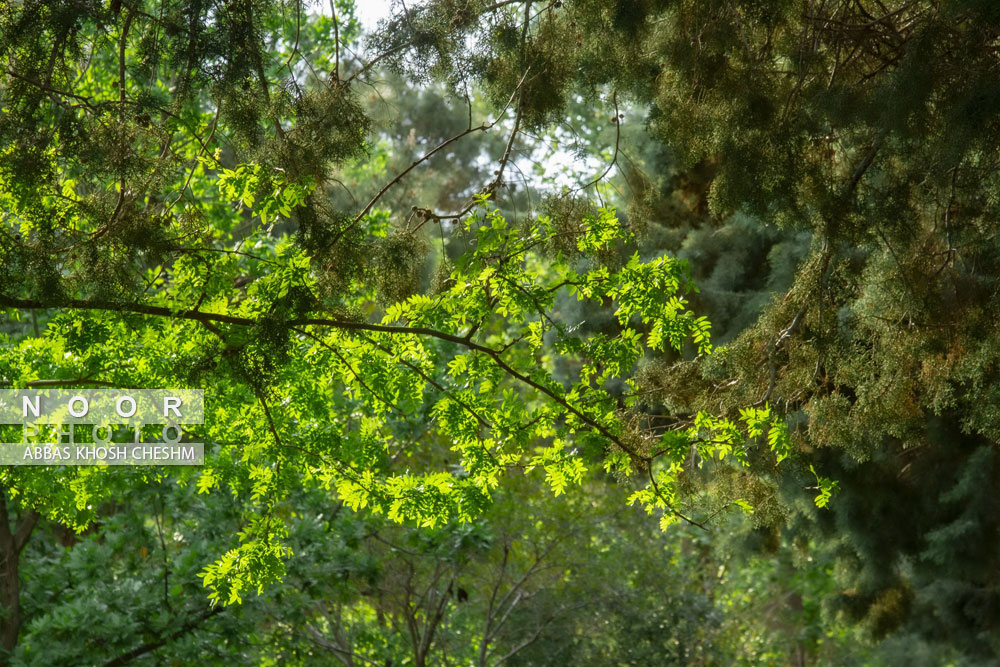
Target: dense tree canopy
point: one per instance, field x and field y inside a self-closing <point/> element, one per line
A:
<point x="440" y="357"/>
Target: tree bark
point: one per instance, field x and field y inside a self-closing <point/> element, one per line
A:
<point x="12" y="543"/>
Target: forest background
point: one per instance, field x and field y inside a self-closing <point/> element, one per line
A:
<point x="543" y="333"/>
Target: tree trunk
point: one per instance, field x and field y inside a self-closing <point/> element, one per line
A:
<point x="11" y="545"/>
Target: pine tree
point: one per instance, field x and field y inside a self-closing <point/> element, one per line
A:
<point x="848" y="151"/>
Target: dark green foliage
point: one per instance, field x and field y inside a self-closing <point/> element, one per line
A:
<point x="831" y="175"/>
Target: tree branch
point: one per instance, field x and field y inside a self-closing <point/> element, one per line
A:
<point x="149" y="647"/>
